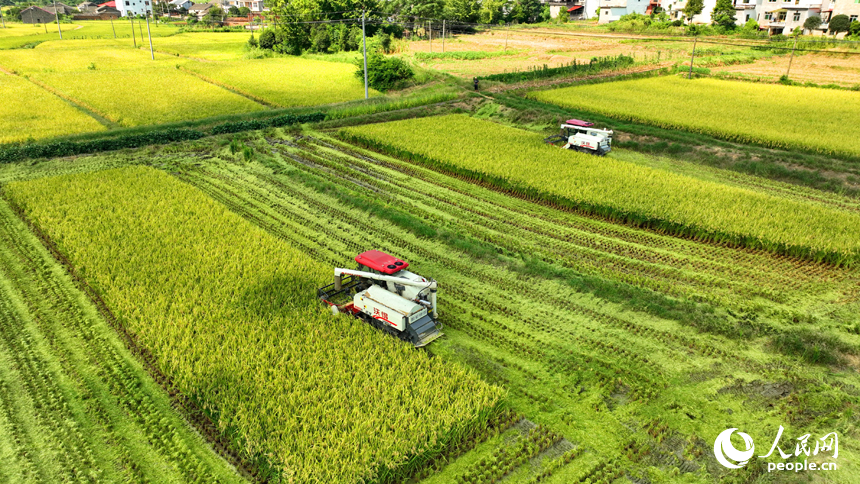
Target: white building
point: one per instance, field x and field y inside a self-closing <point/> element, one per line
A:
<point x="612" y="10"/>
<point x="783" y="16"/>
<point x="180" y="4"/>
<point x="253" y="5"/>
<point x="744" y="10"/>
<point x="129" y="8"/>
<point x="574" y="9"/>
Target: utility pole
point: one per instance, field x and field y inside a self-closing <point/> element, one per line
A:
<point x="131" y="19"/>
<point x="791" y="58"/>
<point x="690" y="75"/>
<point x="149" y="32"/>
<point x="507" y="32"/>
<point x="364" y="43"/>
<point x="57" y="14"/>
<point x="140" y="28"/>
<point x="2" y="18"/>
<point x="112" y="27"/>
<point x="443" y="36"/>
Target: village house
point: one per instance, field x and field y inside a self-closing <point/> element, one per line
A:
<point x="201" y="9"/>
<point x="612" y="10"/>
<point x="37" y="15"/>
<point x="129" y="8"/>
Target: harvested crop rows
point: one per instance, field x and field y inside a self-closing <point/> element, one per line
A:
<point x="69" y="387"/>
<point x="510" y="159"/>
<point x="596" y="373"/>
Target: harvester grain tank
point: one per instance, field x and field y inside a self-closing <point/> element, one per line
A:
<point x="580" y="135"/>
<point x="386" y="295"/>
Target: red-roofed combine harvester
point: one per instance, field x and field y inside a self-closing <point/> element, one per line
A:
<point x="583" y="136"/>
<point x="383" y="293"/>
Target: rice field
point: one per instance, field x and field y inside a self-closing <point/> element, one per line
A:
<point x="517" y="160"/>
<point x="76" y="56"/>
<point x="30" y="112"/>
<point x="820" y="120"/>
<point x="287" y="81"/>
<point x="320" y="399"/>
<point x="152" y="96"/>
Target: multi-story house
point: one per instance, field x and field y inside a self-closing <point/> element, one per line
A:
<point x="253" y="5"/>
<point x="851" y="8"/>
<point x="574" y="9"/>
<point x="744" y="10"/>
<point x="612" y="10"/>
<point x="128" y="8"/>
<point x="783" y="16"/>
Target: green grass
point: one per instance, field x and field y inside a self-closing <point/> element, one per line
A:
<point x="463" y="55"/>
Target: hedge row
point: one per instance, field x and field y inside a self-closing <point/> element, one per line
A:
<point x="595" y="65"/>
<point x="70" y="148"/>
<point x="285" y="120"/>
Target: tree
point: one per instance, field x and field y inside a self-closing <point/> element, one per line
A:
<point x="15" y="13"/>
<point x="244" y="11"/>
<point x="854" y="28"/>
<point x="233" y="11"/>
<point x="384" y="73"/>
<point x="812" y="23"/>
<point x="839" y="23"/>
<point x="214" y="16"/>
<point x="723" y="14"/>
<point x="462" y="10"/>
<point x="492" y="11"/>
<point x="525" y="11"/>
<point x="693" y="7"/>
<point x="268" y="39"/>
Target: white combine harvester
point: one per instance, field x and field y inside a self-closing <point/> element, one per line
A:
<point x="583" y="136"/>
<point x="383" y="293"/>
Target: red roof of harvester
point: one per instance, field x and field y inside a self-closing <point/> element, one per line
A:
<point x="380" y="261"/>
<point x="108" y="4"/>
<point x="579" y="122"/>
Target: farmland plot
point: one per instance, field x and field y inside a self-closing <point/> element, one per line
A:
<point x="30" y="112"/>
<point x="75" y="404"/>
<point x="618" y="391"/>
<point x="77" y="56"/>
<point x="516" y="160"/>
<point x="230" y="314"/>
<point x="143" y="99"/>
<point x="820" y="120"/>
<point x="600" y="374"/>
<point x="288" y="81"/>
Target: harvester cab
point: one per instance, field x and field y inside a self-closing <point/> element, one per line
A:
<point x="583" y="136"/>
<point x="387" y="296"/>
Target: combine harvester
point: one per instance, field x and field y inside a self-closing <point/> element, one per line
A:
<point x="383" y="293"/>
<point x="583" y="136"/>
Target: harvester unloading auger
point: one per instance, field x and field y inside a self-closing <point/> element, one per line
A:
<point x="383" y="293"/>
